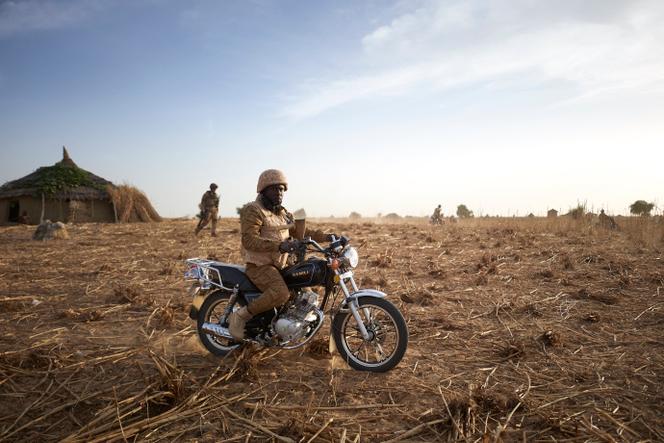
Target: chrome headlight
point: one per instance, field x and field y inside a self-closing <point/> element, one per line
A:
<point x="350" y="257"/>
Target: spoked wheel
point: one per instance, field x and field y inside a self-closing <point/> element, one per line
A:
<point x="211" y="312"/>
<point x="387" y="341"/>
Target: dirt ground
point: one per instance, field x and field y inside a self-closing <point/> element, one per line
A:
<point x="518" y="332"/>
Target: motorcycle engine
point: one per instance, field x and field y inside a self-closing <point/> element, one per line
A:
<point x="291" y="325"/>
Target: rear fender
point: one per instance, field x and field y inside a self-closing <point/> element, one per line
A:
<point x="197" y="300"/>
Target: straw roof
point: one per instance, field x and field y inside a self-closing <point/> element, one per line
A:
<point x="62" y="180"/>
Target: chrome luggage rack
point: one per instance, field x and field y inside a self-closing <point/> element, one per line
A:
<point x="202" y="270"/>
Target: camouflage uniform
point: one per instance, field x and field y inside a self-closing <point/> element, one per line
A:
<point x="262" y="233"/>
<point x="607" y="222"/>
<point x="209" y="212"/>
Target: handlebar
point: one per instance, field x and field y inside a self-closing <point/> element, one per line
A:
<point x="335" y="245"/>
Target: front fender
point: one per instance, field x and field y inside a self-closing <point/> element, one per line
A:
<point x="363" y="293"/>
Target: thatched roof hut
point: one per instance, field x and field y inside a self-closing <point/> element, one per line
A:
<point x="62" y="192"/>
<point x="552" y="213"/>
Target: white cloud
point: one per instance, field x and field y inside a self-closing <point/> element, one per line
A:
<point x="597" y="46"/>
<point x="19" y="16"/>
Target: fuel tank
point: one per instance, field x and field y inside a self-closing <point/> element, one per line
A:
<point x="312" y="272"/>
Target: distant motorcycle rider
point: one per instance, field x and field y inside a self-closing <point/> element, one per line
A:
<point x="209" y="210"/>
<point x="437" y="217"/>
<point x="266" y="229"/>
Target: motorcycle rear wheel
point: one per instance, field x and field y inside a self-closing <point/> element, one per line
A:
<point x="388" y="339"/>
<point x="211" y="312"/>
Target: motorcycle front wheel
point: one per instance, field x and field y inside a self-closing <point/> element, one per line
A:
<point x="388" y="336"/>
<point x="212" y="311"/>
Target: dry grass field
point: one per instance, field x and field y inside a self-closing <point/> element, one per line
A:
<point x="520" y="330"/>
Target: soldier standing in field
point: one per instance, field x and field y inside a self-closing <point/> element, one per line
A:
<point x="266" y="229"/>
<point x="209" y="210"/>
<point x="437" y="217"/>
<point x="607" y="222"/>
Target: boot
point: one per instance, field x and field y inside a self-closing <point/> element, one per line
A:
<point x="236" y="322"/>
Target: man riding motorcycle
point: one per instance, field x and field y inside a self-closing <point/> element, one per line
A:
<point x="437" y="217"/>
<point x="266" y="229"/>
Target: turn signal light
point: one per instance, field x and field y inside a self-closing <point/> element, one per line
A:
<point x="334" y="264"/>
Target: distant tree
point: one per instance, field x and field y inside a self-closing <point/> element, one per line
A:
<point x="392" y="216"/>
<point x="355" y="215"/>
<point x="641" y="207"/>
<point x="463" y="212"/>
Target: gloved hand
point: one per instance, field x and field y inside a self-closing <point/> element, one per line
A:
<point x="330" y="238"/>
<point x="288" y="246"/>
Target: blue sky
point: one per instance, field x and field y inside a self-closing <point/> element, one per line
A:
<point x="377" y="106"/>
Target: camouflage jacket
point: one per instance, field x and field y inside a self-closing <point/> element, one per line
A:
<point x="251" y="222"/>
<point x="210" y="200"/>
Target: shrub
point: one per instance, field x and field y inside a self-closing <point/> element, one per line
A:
<point x="578" y="212"/>
<point x="641" y="207"/>
<point x="463" y="212"/>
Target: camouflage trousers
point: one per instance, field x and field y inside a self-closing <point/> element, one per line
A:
<point x="209" y="216"/>
<point x="268" y="279"/>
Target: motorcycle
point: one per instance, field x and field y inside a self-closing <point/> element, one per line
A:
<point x="433" y="220"/>
<point x="369" y="331"/>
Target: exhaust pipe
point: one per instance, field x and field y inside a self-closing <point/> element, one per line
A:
<point x="216" y="329"/>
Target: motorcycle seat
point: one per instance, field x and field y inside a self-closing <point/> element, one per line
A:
<point x="232" y="275"/>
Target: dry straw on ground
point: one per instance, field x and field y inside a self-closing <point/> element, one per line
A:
<point x="560" y="340"/>
<point x="132" y="205"/>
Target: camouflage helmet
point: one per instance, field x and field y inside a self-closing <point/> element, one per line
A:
<point x="271" y="177"/>
<point x="213" y="186"/>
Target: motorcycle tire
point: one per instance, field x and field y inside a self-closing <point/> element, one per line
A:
<point x="343" y="331"/>
<point x="211" y="310"/>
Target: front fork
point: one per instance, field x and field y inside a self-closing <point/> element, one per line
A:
<point x="353" y="303"/>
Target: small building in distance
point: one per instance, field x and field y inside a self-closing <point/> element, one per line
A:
<point x="62" y="192"/>
<point x="552" y="213"/>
